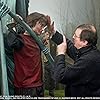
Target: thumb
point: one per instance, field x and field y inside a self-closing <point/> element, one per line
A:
<point x="53" y="23"/>
<point x="64" y="38"/>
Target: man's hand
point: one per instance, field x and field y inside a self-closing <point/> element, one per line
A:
<point x="61" y="48"/>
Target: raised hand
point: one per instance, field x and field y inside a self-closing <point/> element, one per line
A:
<point x="61" y="48"/>
<point x="50" y="26"/>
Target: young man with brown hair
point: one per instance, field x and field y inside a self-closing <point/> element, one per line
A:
<point x="27" y="58"/>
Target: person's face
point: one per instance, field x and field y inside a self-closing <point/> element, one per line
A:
<point x="46" y="37"/>
<point x="39" y="27"/>
<point x="76" y="39"/>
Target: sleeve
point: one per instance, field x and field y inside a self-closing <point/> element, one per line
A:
<point x="71" y="50"/>
<point x="14" y="41"/>
<point x="19" y="29"/>
<point x="68" y="74"/>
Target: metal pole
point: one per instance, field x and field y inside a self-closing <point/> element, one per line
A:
<point x="4" y="87"/>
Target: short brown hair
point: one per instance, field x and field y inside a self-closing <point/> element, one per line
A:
<point x="34" y="17"/>
<point x="89" y="33"/>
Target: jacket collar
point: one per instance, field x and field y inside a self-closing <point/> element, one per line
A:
<point x="86" y="49"/>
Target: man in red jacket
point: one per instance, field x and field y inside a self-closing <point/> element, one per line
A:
<point x="27" y="58"/>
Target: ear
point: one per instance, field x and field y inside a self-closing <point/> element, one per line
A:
<point x="85" y="42"/>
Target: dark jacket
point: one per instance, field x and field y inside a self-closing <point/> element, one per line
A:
<point x="83" y="77"/>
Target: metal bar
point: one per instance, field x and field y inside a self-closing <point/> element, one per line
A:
<point x="4" y="90"/>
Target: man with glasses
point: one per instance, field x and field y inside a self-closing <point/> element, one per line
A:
<point x="82" y="79"/>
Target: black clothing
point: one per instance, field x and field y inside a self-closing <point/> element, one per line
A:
<point x="48" y="80"/>
<point x="32" y="92"/>
<point x="83" y="77"/>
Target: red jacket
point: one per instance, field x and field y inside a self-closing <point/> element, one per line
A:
<point x="28" y="67"/>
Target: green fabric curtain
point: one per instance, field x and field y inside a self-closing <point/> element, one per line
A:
<point x="6" y="63"/>
<point x="4" y="81"/>
<point x="22" y="8"/>
<point x="6" y="19"/>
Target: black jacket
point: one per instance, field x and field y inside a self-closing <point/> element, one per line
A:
<point x="83" y="77"/>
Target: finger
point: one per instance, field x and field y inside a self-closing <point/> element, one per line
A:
<point x="64" y="38"/>
<point x="53" y="23"/>
<point x="49" y="19"/>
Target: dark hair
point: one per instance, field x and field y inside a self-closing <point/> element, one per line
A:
<point x="89" y="36"/>
<point x="34" y="17"/>
<point x="89" y="33"/>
